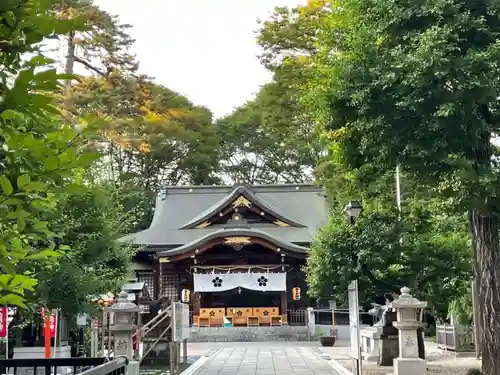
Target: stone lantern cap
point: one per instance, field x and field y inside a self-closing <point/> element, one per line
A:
<point x="406" y="301"/>
<point x="123" y="305"/>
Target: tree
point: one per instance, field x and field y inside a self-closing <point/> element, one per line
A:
<point x="290" y="36"/>
<point x="385" y="250"/>
<point x="38" y="157"/>
<point x="271" y="139"/>
<point x="268" y="140"/>
<point x="150" y="135"/>
<point x="97" y="42"/>
<point x="416" y="84"/>
<point x="90" y="222"/>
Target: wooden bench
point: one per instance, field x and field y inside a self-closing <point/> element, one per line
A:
<point x="239" y="315"/>
<point x="210" y="317"/>
<point x="265" y="315"/>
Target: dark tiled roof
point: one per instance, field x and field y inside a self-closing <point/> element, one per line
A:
<point x="306" y="205"/>
<point x="233" y="232"/>
<point x="228" y="198"/>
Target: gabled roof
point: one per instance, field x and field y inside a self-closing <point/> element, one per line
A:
<point x="240" y="191"/>
<point x="233" y="232"/>
<point x="176" y="207"/>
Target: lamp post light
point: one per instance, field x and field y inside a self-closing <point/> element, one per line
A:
<point x="353" y="209"/>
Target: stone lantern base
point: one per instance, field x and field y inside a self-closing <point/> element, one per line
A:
<point x="410" y="366"/>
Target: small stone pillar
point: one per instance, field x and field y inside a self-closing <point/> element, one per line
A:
<point x="407" y="309"/>
<point x="311" y="322"/>
<point x="122" y="328"/>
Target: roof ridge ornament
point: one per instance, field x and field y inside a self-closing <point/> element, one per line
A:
<point x="241" y="196"/>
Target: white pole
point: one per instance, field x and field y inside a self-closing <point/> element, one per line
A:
<point x="55" y="331"/>
<point x="398" y="189"/>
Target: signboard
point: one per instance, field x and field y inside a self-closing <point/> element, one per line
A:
<point x="180" y="321"/>
<point x="352" y="292"/>
<point x="81" y="320"/>
<point x="3" y="322"/>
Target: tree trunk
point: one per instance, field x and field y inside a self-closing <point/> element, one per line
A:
<point x="485" y="238"/>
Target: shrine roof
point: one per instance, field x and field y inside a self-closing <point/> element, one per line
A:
<point x="233" y="232"/>
<point x="303" y="207"/>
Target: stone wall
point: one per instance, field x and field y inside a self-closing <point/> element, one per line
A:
<point x="242" y="334"/>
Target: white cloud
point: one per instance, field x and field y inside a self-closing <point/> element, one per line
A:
<point x="204" y="49"/>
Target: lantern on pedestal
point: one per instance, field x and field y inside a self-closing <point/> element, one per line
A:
<point x="124" y="313"/>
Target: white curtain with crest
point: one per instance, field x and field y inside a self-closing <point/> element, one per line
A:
<point x="220" y="282"/>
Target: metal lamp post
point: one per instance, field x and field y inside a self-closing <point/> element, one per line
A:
<point x="353" y="209"/>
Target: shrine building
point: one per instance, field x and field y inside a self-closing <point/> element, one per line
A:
<point x="238" y="250"/>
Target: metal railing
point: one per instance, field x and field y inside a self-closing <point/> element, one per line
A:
<point x="324" y="317"/>
<point x="48" y="366"/>
<point x="455" y="338"/>
<point x="117" y="366"/>
<point x="298" y="317"/>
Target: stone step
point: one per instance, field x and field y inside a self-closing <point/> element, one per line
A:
<point x="249" y="334"/>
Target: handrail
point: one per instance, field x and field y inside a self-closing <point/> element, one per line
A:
<point x="167" y="310"/>
<point x="156" y="342"/>
<point x="50" y="365"/>
<point x="145" y="329"/>
<point x="111" y="367"/>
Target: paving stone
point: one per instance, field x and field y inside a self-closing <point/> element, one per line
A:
<point x="266" y="361"/>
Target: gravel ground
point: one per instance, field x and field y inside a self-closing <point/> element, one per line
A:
<point x="437" y="363"/>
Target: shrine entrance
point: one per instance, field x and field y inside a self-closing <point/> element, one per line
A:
<point x="240" y="297"/>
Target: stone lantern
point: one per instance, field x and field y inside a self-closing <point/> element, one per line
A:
<point x="123" y="326"/>
<point x="408" y="310"/>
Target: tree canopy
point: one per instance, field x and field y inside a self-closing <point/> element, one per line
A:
<point x="385" y="250"/>
<point x="39" y="156"/>
<point x="416" y="84"/>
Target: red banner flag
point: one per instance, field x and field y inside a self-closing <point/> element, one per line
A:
<point x="52" y="322"/>
<point x="3" y="322"/>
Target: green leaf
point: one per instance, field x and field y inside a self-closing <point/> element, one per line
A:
<point x="23" y="180"/>
<point x="12" y="300"/>
<point x="10" y="19"/>
<point x="10" y="114"/>
<point x="6" y="185"/>
<point x="21" y="224"/>
<point x="35" y="186"/>
<point x="75" y="188"/>
<point x="51" y="163"/>
<point x="24" y="78"/>
<point x="44" y="254"/>
<point x="40" y="100"/>
<point x="40" y="60"/>
<point x="88" y="158"/>
<point x="6" y="266"/>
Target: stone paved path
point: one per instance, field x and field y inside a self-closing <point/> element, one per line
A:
<point x="266" y="361"/>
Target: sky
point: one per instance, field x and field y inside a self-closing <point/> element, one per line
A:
<point x="203" y="49"/>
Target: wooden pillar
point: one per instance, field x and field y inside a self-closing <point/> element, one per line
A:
<point x="160" y="280"/>
<point x="196" y="303"/>
<point x="157" y="279"/>
<point x="284" y="302"/>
